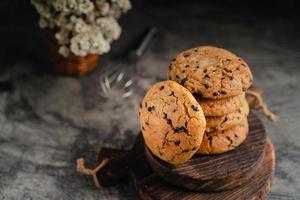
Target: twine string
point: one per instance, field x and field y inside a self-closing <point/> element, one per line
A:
<point x="81" y="168"/>
<point x="262" y="106"/>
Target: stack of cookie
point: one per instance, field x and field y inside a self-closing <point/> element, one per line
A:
<point x="218" y="80"/>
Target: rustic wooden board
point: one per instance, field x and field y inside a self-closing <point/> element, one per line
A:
<point x="150" y="185"/>
<point x="217" y="172"/>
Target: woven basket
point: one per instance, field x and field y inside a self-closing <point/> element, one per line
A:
<point x="71" y="65"/>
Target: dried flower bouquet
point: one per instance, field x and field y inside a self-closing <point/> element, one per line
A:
<point x="81" y="28"/>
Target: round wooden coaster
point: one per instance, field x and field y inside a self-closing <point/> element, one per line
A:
<point x="150" y="185"/>
<point x="217" y="172"/>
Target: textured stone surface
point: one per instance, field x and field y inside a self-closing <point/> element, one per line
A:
<point x="49" y="121"/>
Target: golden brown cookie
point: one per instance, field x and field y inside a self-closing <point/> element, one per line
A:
<point x="217" y="142"/>
<point x="245" y="109"/>
<point x="229" y="120"/>
<point x="211" y="72"/>
<point x="220" y="107"/>
<point x="172" y="122"/>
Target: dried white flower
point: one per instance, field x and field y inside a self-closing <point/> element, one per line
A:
<point x="84" y="26"/>
<point x="85" y="6"/>
<point x="103" y="7"/>
<point x="110" y="28"/>
<point x="64" y="51"/>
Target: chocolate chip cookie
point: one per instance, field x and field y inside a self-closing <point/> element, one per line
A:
<point x="229" y="120"/>
<point x="211" y="72"/>
<point x="220" y="107"/>
<point x="172" y="122"/>
<point x="217" y="142"/>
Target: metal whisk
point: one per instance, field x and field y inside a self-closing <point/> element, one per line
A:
<point x="118" y="81"/>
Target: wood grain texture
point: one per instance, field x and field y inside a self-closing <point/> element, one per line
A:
<point x="217" y="172"/>
<point x="150" y="185"/>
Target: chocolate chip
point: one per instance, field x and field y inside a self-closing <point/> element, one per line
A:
<point x="183" y="81"/>
<point x="141" y="105"/>
<point x="207" y="76"/>
<point x="196" y="50"/>
<point x="223" y="92"/>
<point x="198" y="95"/>
<point x="205" y="70"/>
<point x="239" y="111"/>
<point x="187" y="66"/>
<point x="177" y="142"/>
<point x="143" y="128"/>
<point x="231" y="78"/>
<point x="215" y="94"/>
<point x="147" y="123"/>
<point x="174" y="110"/>
<point x="165" y="115"/>
<point x="228" y="70"/>
<point x="172" y="93"/>
<point x="173" y="59"/>
<point x="209" y="137"/>
<point x="183" y="71"/>
<point x="195" y="108"/>
<point x="170" y="78"/>
<point x="152" y="108"/>
<point x="223" y="131"/>
<point x="228" y="138"/>
<point x="206" y="85"/>
<point x="236" y="136"/>
<point x="161" y="87"/>
<point x="169" y="121"/>
<point x="145" y="104"/>
<point x="186" y="55"/>
<point x="186" y="123"/>
<point x="225" y="119"/>
<point x="197" y="66"/>
<point x="194" y="148"/>
<point x="177" y="76"/>
<point x="238" y="68"/>
<point x="180" y="129"/>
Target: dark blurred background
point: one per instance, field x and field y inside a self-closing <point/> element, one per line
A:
<point x="21" y="38"/>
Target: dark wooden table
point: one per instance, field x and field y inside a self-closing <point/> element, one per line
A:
<point x="49" y="121"/>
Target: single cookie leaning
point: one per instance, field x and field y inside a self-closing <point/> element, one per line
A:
<point x="172" y="122"/>
<point x="217" y="142"/>
<point x="229" y="120"/>
<point x="220" y="107"/>
<point x="211" y="72"/>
